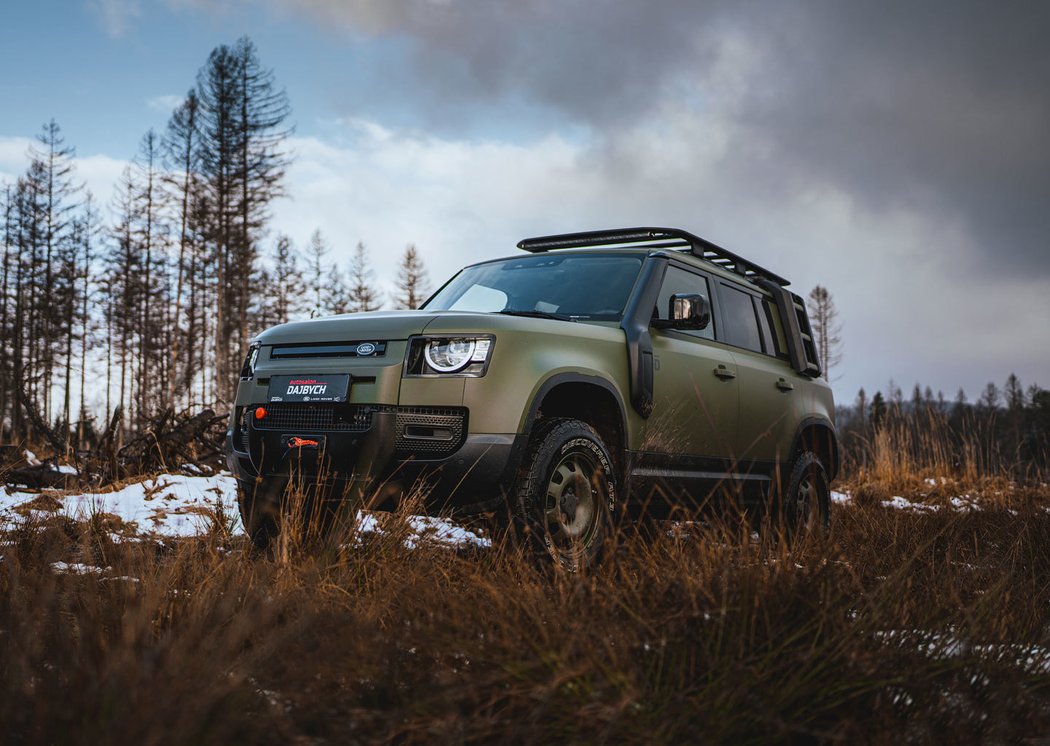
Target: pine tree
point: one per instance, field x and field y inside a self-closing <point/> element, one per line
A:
<point x="88" y="229"/>
<point x="52" y="169"/>
<point x="124" y="289"/>
<point x="989" y="397"/>
<point x="878" y="409"/>
<point x="862" y="405"/>
<point x="959" y="406"/>
<point x="826" y="329"/>
<point x="242" y="162"/>
<point x="6" y="308"/>
<point x="1014" y="393"/>
<point x="336" y="298"/>
<point x="181" y="154"/>
<point x="363" y="295"/>
<point x="317" y="279"/>
<point x="150" y="242"/>
<point x="412" y="280"/>
<point x="287" y="286"/>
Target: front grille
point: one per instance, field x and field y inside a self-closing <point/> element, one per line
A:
<point x="429" y="432"/>
<point x="421" y="432"/>
<point x="345" y="418"/>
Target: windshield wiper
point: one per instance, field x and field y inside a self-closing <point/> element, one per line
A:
<point x="537" y="314"/>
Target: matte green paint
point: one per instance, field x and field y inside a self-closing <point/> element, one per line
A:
<point x="696" y="411"/>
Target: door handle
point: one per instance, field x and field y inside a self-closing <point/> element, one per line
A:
<point x="724" y="373"/>
<point x="785" y="385"/>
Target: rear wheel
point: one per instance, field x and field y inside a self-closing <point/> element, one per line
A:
<point x="567" y="493"/>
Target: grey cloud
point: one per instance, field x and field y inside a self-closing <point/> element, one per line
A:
<point x="937" y="107"/>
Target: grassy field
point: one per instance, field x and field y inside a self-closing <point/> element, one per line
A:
<point x="923" y="624"/>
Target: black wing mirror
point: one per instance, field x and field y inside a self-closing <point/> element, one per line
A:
<point x="686" y="311"/>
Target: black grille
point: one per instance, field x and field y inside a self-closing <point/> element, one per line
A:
<point x="429" y="432"/>
<point x="352" y="418"/>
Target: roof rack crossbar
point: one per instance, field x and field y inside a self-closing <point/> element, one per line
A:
<point x="654" y="238"/>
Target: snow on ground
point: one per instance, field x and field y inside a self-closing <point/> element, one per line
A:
<point x="167" y="505"/>
<point x="942" y="645"/>
<point x="901" y="503"/>
<point x="962" y="504"/>
<point x="841" y="498"/>
<point x="175" y="505"/>
<point x="179" y="505"/>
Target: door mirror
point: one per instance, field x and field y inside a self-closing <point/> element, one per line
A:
<point x="688" y="311"/>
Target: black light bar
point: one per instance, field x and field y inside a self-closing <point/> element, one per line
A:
<point x="656" y="238"/>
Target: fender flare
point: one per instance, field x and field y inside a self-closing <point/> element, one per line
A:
<point x="836" y="447"/>
<point x="562" y="378"/>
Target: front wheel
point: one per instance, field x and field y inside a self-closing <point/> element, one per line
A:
<point x="259" y="504"/>
<point x="567" y="492"/>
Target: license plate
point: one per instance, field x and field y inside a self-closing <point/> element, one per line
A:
<point x="310" y="388"/>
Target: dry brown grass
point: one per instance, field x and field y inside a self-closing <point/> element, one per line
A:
<point x="896" y="625"/>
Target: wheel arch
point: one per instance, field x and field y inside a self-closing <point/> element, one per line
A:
<point x="818" y="434"/>
<point x="591" y="399"/>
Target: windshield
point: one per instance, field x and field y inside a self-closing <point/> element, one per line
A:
<point x="592" y="286"/>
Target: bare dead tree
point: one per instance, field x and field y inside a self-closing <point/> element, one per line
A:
<point x="412" y="280"/>
<point x="826" y="328"/>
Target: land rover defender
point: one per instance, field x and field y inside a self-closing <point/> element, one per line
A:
<point x="593" y="375"/>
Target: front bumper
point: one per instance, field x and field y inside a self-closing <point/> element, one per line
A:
<point x="378" y="453"/>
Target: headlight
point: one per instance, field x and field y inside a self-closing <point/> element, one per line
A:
<point x="248" y="369"/>
<point x="466" y="356"/>
<point x="449" y="355"/>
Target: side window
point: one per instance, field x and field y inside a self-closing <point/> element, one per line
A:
<point x="776" y="329"/>
<point x="678" y="280"/>
<point x="741" y="321"/>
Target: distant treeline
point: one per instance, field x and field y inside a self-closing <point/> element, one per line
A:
<point x="1005" y="432"/>
<point x="152" y="307"/>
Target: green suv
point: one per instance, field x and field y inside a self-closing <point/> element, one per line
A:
<point x="595" y="375"/>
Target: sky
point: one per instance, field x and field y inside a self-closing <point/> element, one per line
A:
<point x="897" y="153"/>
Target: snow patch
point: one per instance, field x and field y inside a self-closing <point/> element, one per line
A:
<point x="166" y="505"/>
<point x="76" y="568"/>
<point x="182" y="505"/>
<point x="841" y="498"/>
<point x="901" y="503"/>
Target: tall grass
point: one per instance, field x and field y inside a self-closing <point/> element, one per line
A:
<point x="906" y="452"/>
<point x="921" y="627"/>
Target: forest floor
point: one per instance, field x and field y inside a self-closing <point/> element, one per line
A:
<point x="138" y="613"/>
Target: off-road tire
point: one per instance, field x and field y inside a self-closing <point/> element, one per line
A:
<point x="567" y="493"/>
<point x="259" y="504"/>
<point x="805" y="505"/>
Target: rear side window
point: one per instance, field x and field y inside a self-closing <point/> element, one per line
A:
<point x="740" y="319"/>
<point x="776" y="329"/>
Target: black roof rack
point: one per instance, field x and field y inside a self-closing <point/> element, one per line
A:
<point x="654" y="238"/>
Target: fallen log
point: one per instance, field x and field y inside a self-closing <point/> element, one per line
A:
<point x="38" y="477"/>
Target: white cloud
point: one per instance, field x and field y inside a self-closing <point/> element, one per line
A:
<point x="115" y="16"/>
<point x="98" y="173"/>
<point x="165" y="103"/>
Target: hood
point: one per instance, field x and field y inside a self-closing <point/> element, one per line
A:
<point x="372" y="325"/>
<point x="391" y="326"/>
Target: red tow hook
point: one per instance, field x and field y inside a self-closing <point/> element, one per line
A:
<point x="298" y="442"/>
